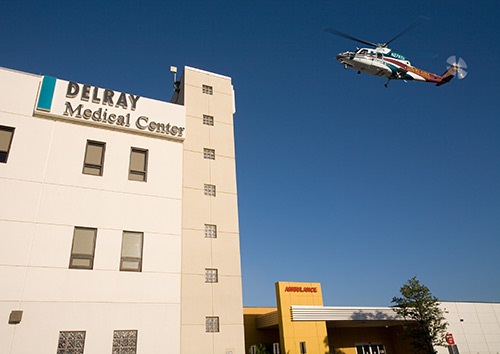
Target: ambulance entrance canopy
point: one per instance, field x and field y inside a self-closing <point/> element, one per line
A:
<point x="306" y="326"/>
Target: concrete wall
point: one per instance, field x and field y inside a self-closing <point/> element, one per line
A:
<point x="224" y="298"/>
<point x="45" y="195"/>
<point x="475" y="326"/>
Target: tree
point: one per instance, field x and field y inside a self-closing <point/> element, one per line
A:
<point x="426" y="325"/>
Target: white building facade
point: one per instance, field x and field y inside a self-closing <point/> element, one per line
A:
<point x="118" y="220"/>
<point x="473" y="327"/>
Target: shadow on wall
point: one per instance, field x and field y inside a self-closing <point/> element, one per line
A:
<point x="332" y="350"/>
<point x="377" y="315"/>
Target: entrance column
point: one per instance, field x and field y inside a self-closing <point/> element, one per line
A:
<point x="304" y="337"/>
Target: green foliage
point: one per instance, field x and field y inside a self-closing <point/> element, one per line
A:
<point x="427" y="325"/>
<point x="261" y="349"/>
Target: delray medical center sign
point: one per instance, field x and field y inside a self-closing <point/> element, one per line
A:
<point x="87" y="104"/>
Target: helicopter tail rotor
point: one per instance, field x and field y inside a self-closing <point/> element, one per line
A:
<point x="457" y="66"/>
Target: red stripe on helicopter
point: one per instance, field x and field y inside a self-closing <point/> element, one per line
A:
<point x="425" y="74"/>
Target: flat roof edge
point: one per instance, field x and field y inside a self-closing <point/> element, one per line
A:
<point x="20" y="72"/>
<point x="207" y="72"/>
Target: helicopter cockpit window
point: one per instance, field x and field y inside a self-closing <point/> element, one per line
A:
<point x="363" y="51"/>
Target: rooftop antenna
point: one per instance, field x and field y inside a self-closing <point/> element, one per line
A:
<point x="177" y="84"/>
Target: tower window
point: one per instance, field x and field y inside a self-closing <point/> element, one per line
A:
<point x="209" y="189"/>
<point x="208" y="120"/>
<point x="6" y="134"/>
<point x="210" y="231"/>
<point x="209" y="154"/>
<point x="212" y="324"/>
<point x="208" y="90"/>
<point x="211" y="275"/>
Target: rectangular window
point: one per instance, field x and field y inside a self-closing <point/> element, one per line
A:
<point x="208" y="120"/>
<point x="212" y="324"/>
<point x="276" y="348"/>
<point x="6" y="134"/>
<point x="209" y="189"/>
<point x="209" y="154"/>
<point x="94" y="158"/>
<point x="210" y="231"/>
<point x="138" y="164"/>
<point x="211" y="275"/>
<point x="83" y="248"/>
<point x="131" y="259"/>
<point x="71" y="342"/>
<point x="208" y="89"/>
<point x="370" y="348"/>
<point x="125" y="342"/>
<point x="303" y="349"/>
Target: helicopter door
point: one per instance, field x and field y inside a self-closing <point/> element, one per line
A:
<point x="363" y="52"/>
<point x="371" y="55"/>
<point x="364" y="55"/>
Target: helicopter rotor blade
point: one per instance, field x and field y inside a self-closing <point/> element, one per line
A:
<point x="348" y="36"/>
<point x="452" y="60"/>
<point x="459" y="65"/>
<point x="411" y="26"/>
<point x="462" y="63"/>
<point x="461" y="73"/>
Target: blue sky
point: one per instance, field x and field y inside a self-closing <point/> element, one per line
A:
<point x="340" y="180"/>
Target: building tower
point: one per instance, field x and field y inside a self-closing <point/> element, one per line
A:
<point x="211" y="294"/>
<point x="118" y="226"/>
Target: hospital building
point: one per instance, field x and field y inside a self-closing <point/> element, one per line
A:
<point x="119" y="219"/>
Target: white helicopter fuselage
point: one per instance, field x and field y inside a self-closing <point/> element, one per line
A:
<point x="381" y="62"/>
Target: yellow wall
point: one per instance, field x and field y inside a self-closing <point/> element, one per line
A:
<point x="292" y="333"/>
<point x="319" y="339"/>
<point x="254" y="336"/>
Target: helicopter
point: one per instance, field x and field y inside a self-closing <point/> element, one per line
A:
<point x="383" y="62"/>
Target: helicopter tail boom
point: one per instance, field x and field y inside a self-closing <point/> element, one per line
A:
<point x="447" y="76"/>
<point x="456" y="67"/>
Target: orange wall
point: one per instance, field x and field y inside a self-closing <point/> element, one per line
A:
<point x="319" y="339"/>
<point x="254" y="336"/>
<point x="292" y="333"/>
